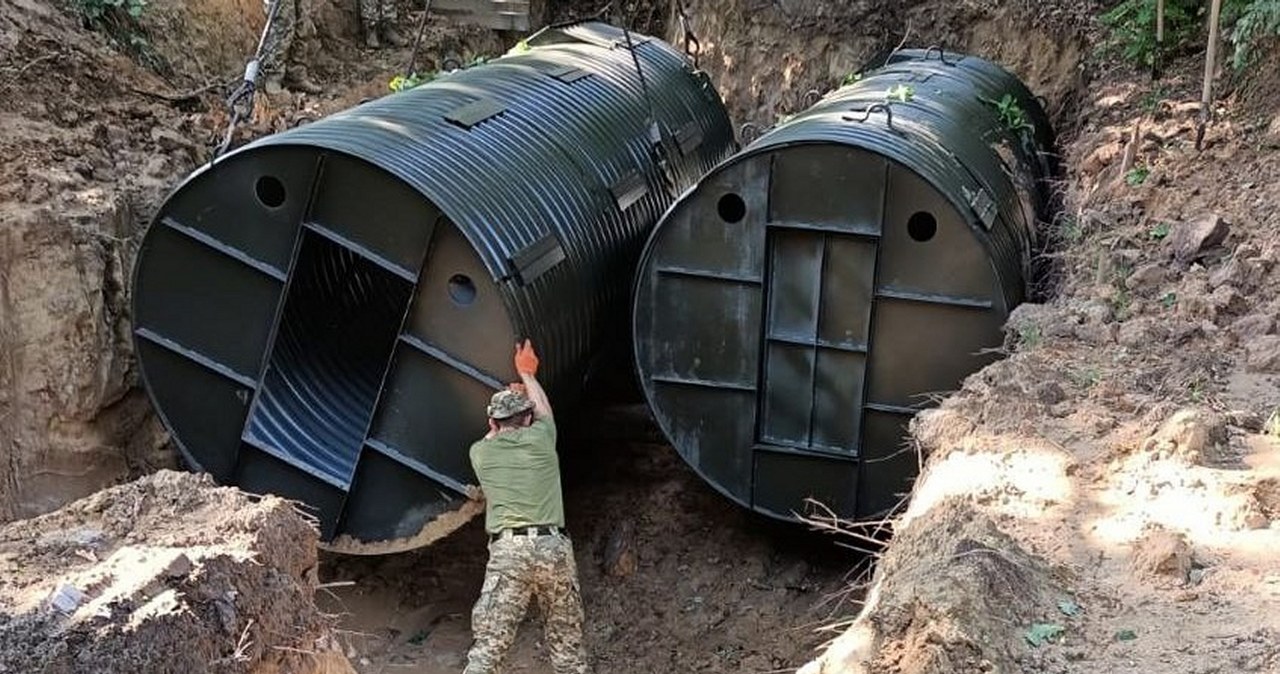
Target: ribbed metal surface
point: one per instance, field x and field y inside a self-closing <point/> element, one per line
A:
<point x="839" y="273"/>
<point x="379" y="264"/>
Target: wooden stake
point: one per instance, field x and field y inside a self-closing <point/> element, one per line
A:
<point x="1210" y="65"/>
<point x="1157" y="59"/>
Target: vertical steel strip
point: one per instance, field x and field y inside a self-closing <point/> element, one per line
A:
<point x="867" y="369"/>
<point x="299" y="235"/>
<point x="340" y="520"/>
<point x="817" y="337"/>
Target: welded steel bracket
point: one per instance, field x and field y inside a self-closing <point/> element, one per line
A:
<point x="536" y="259"/>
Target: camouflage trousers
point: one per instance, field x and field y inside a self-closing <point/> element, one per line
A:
<point x="375" y="12"/>
<point x="293" y="20"/>
<point x="522" y="568"/>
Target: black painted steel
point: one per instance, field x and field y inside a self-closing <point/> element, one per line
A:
<point x="808" y="296"/>
<point x="323" y="313"/>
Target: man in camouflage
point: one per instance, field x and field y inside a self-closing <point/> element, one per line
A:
<point x="281" y="66"/>
<point x="529" y="554"/>
<point x="378" y="18"/>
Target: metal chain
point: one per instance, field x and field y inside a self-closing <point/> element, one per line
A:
<point x="240" y="102"/>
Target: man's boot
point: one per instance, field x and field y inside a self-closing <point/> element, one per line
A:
<point x="273" y="85"/>
<point x="300" y="81"/>
<point x="393" y="37"/>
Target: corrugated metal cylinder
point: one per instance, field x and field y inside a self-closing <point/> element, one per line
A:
<point x="324" y="313"/>
<point x="808" y="296"/>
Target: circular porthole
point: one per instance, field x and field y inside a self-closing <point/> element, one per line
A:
<point x="732" y="208"/>
<point x="462" y="290"/>
<point x="922" y="226"/>
<point x="270" y="191"/>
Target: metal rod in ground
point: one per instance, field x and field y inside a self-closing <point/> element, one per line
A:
<point x="417" y="41"/>
<point x="1210" y="65"/>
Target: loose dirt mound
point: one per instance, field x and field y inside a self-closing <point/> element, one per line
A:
<point x="1125" y="441"/>
<point x="166" y="574"/>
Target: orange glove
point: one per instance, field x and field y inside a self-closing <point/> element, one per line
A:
<point x="526" y="359"/>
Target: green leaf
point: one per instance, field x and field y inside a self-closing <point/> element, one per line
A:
<point x="900" y="92"/>
<point x="1126" y="635"/>
<point x="1136" y="176"/>
<point x="1069" y="608"/>
<point x="1160" y="231"/>
<point x="1169" y="300"/>
<point x="1042" y="633"/>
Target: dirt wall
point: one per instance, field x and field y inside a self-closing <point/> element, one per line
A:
<point x="92" y="140"/>
<point x="770" y="59"/>
<point x="97" y="123"/>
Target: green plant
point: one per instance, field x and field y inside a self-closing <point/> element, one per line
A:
<point x="1196" y="389"/>
<point x="1131" y="27"/>
<point x="1069" y="608"/>
<point x="402" y="83"/>
<point x="100" y="11"/>
<point x="1070" y="230"/>
<point x="1029" y="336"/>
<point x="1160" y="231"/>
<point x="1042" y="633"/>
<point x="1151" y="99"/>
<point x="1137" y="175"/>
<point x="851" y="78"/>
<point x="1010" y="113"/>
<point x="900" y="92"/>
<point x="1169" y="300"/>
<point x="1121" y="303"/>
<point x="1255" y="20"/>
<point x="1085" y="378"/>
<point x="119" y="19"/>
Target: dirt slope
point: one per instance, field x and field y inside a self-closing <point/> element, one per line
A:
<point x="96" y="126"/>
<point x="1105" y="499"/>
<point x="167" y="574"/>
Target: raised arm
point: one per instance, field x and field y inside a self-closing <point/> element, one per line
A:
<point x="527" y="367"/>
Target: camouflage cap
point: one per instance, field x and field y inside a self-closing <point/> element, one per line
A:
<point x="507" y="403"/>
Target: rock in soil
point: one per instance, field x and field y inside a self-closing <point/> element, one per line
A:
<point x="1263" y="354"/>
<point x="1194" y="435"/>
<point x="1193" y="239"/>
<point x="1161" y="553"/>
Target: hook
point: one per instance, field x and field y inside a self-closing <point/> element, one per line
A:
<point x="748" y="138"/>
<point x="942" y="55"/>
<point x="875" y="107"/>
<point x="811" y="97"/>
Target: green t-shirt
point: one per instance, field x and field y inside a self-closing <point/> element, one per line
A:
<point x="520" y="475"/>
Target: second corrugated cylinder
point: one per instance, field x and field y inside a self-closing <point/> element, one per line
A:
<point x="798" y="306"/>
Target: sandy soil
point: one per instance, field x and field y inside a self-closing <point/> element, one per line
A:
<point x="1121" y="465"/>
